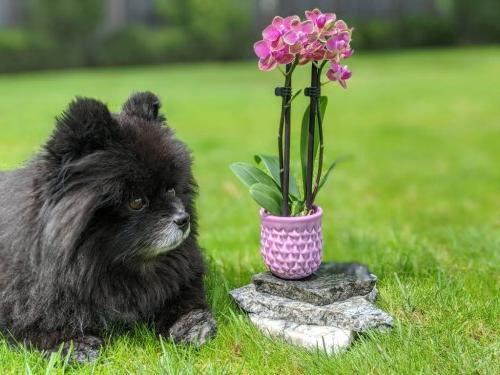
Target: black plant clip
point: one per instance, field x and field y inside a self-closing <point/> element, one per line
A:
<point x="283" y="91"/>
<point x="313" y="92"/>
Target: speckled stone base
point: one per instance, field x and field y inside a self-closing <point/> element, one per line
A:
<point x="324" y="311"/>
<point x="332" y="282"/>
<point x="332" y="340"/>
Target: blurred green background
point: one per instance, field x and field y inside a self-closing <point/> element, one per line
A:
<point x="38" y="34"/>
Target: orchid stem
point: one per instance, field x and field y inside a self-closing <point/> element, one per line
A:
<point x="285" y="143"/>
<point x="280" y="145"/>
<point x="320" y="157"/>
<point x="313" y="107"/>
<point x="321" y="142"/>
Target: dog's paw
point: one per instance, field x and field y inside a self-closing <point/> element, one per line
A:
<point x="86" y="349"/>
<point x="195" y="328"/>
<point x="82" y="349"/>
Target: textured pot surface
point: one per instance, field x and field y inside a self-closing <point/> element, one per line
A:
<point x="292" y="247"/>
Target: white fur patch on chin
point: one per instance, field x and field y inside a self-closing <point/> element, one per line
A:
<point x="168" y="240"/>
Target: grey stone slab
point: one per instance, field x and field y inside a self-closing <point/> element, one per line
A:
<point x="331" y="340"/>
<point x="356" y="313"/>
<point x="332" y="282"/>
<point x="372" y="296"/>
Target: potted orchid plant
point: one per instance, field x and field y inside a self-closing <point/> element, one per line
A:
<point x="291" y="231"/>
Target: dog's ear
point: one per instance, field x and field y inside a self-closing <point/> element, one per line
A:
<point x="145" y="105"/>
<point x="85" y="126"/>
<point x="65" y="222"/>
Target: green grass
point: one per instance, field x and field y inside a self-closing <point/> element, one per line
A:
<point x="419" y="203"/>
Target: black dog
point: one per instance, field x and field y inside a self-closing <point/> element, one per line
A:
<point x="99" y="229"/>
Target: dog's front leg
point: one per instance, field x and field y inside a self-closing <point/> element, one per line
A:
<point x="187" y="319"/>
<point x="82" y="348"/>
<point x="195" y="327"/>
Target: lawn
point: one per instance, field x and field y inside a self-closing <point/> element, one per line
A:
<point x="419" y="202"/>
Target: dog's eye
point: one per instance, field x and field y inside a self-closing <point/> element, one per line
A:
<point x="138" y="204"/>
<point x="170" y="193"/>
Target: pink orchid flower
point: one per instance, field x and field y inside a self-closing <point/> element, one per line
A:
<point x="321" y="37"/>
<point x="300" y="33"/>
<point x="339" y="73"/>
<point x="270" y="58"/>
<point x="320" y="19"/>
<point x="314" y="51"/>
<point x="273" y="48"/>
<point x="347" y="53"/>
<point x="278" y="28"/>
<point x="323" y="22"/>
<point x="339" y="42"/>
<point x="341" y="25"/>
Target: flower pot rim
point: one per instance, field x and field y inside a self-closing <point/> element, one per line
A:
<point x="318" y="212"/>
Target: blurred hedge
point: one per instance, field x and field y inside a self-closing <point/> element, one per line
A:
<point x="478" y="20"/>
<point x="413" y="31"/>
<point x="69" y="33"/>
<point x="141" y="45"/>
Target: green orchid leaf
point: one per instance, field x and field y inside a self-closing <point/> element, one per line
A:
<point x="267" y="197"/>
<point x="272" y="165"/>
<point x="297" y="93"/>
<point x="328" y="171"/>
<point x="297" y="207"/>
<point x="326" y="175"/>
<point x="323" y="103"/>
<point x="293" y="188"/>
<point x="250" y="174"/>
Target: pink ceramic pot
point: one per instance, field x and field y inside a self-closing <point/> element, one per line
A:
<point x="292" y="247"/>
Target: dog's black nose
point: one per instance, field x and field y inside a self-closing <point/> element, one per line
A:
<point x="182" y="220"/>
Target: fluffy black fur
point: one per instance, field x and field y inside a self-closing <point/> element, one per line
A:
<point x="76" y="258"/>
